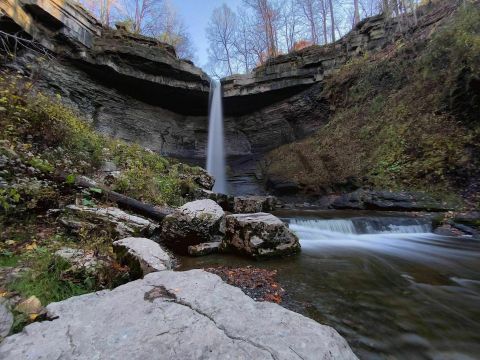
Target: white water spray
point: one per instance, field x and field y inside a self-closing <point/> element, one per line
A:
<point x="216" y="146"/>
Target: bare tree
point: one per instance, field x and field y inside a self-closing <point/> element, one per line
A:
<point x="170" y="29"/>
<point x="290" y="23"/>
<point x="144" y="15"/>
<point x="221" y="35"/>
<point x="268" y="16"/>
<point x="324" y="15"/>
<point x="311" y="12"/>
<point x="245" y="41"/>
<point x="356" y="10"/>
<point x="332" y="19"/>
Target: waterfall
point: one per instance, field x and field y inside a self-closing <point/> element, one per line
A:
<point x="360" y="226"/>
<point x="216" y="145"/>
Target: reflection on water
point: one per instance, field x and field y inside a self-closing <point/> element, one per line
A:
<point x="390" y="286"/>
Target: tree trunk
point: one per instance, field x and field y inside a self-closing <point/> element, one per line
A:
<point x="332" y="19"/>
<point x="357" y="12"/>
<point x="123" y="202"/>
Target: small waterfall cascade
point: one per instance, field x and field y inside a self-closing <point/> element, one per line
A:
<point x="364" y="225"/>
<point x="216" y="164"/>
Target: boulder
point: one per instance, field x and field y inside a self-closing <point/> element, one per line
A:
<point x="204" y="249"/>
<point x="225" y="201"/>
<point x="259" y="235"/>
<point x="30" y="306"/>
<point x="364" y="199"/>
<point x="6" y="319"/>
<point x="80" y="260"/>
<point x="253" y="204"/>
<point x="174" y="315"/>
<point x="142" y="256"/>
<point x="196" y="222"/>
<point x="119" y="222"/>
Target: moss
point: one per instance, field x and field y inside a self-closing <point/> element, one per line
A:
<point x="46" y="280"/>
<point x="41" y="133"/>
<point x="395" y="125"/>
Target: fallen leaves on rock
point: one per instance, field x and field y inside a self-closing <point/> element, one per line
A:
<point x="259" y="284"/>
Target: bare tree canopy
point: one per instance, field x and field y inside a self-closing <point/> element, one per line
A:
<point x="242" y="40"/>
<point x="221" y="35"/>
<point x="156" y="18"/>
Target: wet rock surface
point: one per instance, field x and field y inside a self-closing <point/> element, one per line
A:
<point x="197" y="222"/>
<point x="259" y="235"/>
<point x="204" y="248"/>
<point x="213" y="320"/>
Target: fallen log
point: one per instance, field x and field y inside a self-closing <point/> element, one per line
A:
<point x="123" y="202"/>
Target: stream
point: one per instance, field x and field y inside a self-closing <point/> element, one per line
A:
<point x="384" y="281"/>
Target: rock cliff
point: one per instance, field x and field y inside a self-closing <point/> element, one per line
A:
<point x="129" y="86"/>
<point x="282" y="100"/>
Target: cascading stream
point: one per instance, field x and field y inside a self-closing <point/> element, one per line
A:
<point x="216" y="164"/>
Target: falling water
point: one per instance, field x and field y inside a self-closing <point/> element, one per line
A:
<point x="216" y="145"/>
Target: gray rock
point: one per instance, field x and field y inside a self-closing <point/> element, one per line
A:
<point x="6" y="319"/>
<point x="204" y="249"/>
<point x="174" y="315"/>
<point x="143" y="256"/>
<point x="121" y="223"/>
<point x="225" y="201"/>
<point x="259" y="235"/>
<point x="194" y="223"/>
<point x="362" y="199"/>
<point x="253" y="204"/>
<point x="79" y="259"/>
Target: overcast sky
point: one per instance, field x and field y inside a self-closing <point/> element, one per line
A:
<point x="196" y="14"/>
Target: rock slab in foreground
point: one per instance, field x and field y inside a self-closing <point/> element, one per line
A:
<point x="259" y="235"/>
<point x="174" y="315"/>
<point x="143" y="256"/>
<point x="194" y="223"/>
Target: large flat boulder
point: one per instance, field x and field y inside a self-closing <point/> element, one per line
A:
<point x="259" y="235"/>
<point x="197" y="222"/>
<point x="174" y="315"/>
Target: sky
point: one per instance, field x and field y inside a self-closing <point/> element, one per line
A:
<point x="196" y="14"/>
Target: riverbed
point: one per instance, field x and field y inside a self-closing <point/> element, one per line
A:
<point x="384" y="281"/>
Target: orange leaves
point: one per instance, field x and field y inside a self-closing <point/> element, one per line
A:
<point x="259" y="284"/>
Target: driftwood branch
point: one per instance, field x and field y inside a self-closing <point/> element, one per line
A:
<point x="123" y="202"/>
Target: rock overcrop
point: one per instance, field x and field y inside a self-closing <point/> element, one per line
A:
<point x="174" y="315"/>
<point x="259" y="235"/>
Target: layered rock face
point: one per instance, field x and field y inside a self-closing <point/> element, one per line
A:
<point x="128" y="86"/>
<point x="283" y="100"/>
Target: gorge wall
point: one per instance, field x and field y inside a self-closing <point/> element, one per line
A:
<point x="128" y="86"/>
<point x="136" y="89"/>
